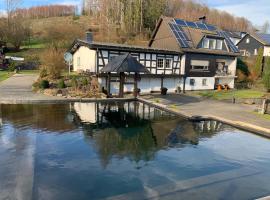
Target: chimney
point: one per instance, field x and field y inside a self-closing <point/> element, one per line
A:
<point x="202" y="19"/>
<point x="89" y="36"/>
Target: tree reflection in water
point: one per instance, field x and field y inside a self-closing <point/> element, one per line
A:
<point x="137" y="131"/>
<point x="118" y="130"/>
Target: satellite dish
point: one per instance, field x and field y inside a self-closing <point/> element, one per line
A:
<point x="68" y="57"/>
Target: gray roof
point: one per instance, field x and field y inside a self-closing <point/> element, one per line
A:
<point x="122" y="47"/>
<point x="124" y="63"/>
<point x="264" y="37"/>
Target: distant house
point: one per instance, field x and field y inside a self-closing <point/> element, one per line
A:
<point x="250" y="44"/>
<point x="235" y="36"/>
<point x="181" y="54"/>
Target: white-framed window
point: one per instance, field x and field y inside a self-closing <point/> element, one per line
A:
<point x="243" y="52"/>
<point x="206" y="43"/>
<point x="211" y="43"/>
<point x="168" y="63"/>
<point x="204" y="82"/>
<point x="247" y="40"/>
<point x="78" y="61"/>
<point x="255" y="52"/>
<point x="219" y="44"/>
<point x="160" y="63"/>
<point x="192" y="82"/>
<point x="199" y="65"/>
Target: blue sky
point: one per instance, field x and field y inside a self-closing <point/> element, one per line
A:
<point x="257" y="11"/>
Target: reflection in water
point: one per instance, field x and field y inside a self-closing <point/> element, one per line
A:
<point x="130" y="129"/>
<point x="99" y="150"/>
<point x="45" y="117"/>
<point x="137" y="130"/>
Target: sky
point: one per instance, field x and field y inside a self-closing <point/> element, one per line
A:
<point x="257" y="11"/>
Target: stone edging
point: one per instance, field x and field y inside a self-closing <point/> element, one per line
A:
<point x="238" y="124"/>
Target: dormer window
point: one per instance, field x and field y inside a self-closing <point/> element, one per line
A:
<point x="211" y="43"/>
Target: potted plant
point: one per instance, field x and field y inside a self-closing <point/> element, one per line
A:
<point x="164" y="91"/>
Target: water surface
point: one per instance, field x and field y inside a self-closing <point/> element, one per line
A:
<point x="125" y="150"/>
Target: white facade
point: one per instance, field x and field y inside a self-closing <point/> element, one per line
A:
<point x="200" y="83"/>
<point x="84" y="59"/>
<point x="266" y="51"/>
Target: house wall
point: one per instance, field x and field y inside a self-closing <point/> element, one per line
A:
<point x="230" y="81"/>
<point x="148" y="59"/>
<point x="249" y="48"/>
<point x="230" y="61"/>
<point x="146" y="84"/>
<point x="84" y="59"/>
<point x="210" y="83"/>
<point x="266" y="51"/>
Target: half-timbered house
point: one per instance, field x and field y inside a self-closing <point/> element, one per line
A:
<point x="181" y="55"/>
<point x="164" y="65"/>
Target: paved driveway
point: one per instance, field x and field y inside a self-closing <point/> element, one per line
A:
<point x="18" y="88"/>
<point x="237" y="114"/>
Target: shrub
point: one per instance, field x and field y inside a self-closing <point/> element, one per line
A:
<point x="44" y="84"/>
<point x="61" y="84"/>
<point x="84" y="81"/>
<point x="12" y="67"/>
<point x="43" y="72"/>
<point x="74" y="82"/>
<point x="53" y="62"/>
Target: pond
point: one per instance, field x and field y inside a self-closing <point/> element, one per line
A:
<point x="126" y="151"/>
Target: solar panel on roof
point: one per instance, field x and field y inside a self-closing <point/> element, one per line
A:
<point x="179" y="35"/>
<point x="191" y="24"/>
<point x="211" y="27"/>
<point x="180" y="22"/>
<point x="201" y="26"/>
<point x="265" y="37"/>
<point x="228" y="41"/>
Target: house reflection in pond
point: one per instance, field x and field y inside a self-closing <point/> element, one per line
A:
<point x="137" y="131"/>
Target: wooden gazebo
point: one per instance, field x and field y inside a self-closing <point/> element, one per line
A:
<point x="120" y="65"/>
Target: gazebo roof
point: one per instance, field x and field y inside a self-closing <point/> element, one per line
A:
<point x="124" y="63"/>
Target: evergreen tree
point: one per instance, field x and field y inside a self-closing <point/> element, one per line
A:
<point x="257" y="71"/>
<point x="266" y="75"/>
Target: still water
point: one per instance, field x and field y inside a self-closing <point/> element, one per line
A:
<point x="126" y="151"/>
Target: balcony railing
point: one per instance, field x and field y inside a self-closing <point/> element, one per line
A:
<point x="224" y="73"/>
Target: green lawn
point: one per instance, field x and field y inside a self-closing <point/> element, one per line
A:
<point x="4" y="75"/>
<point x="266" y="116"/>
<point x="223" y="95"/>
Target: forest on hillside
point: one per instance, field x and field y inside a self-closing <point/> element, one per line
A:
<point x="119" y="21"/>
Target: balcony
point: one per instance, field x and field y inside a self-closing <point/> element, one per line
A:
<point x="224" y="73"/>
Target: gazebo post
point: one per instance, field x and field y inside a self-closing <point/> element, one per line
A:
<point x="135" y="90"/>
<point x="121" y="87"/>
<point x="162" y="82"/>
<point x="109" y="83"/>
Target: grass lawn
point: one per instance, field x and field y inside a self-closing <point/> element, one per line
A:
<point x="266" y="116"/>
<point x="4" y="75"/>
<point x="238" y="94"/>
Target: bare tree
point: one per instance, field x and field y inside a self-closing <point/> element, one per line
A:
<point x="265" y="27"/>
<point x="14" y="28"/>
